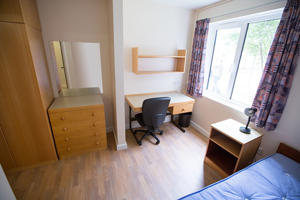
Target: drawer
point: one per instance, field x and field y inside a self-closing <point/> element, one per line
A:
<point x="78" y="143"/>
<point x="182" y="108"/>
<point x="79" y="138"/>
<point x="82" y="126"/>
<point x="84" y="146"/>
<point x="77" y="116"/>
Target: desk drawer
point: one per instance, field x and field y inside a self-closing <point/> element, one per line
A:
<point x="182" y="108"/>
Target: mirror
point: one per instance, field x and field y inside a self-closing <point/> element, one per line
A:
<point x="78" y="64"/>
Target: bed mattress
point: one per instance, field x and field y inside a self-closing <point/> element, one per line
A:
<point x="275" y="177"/>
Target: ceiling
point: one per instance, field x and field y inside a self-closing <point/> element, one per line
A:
<point x="191" y="4"/>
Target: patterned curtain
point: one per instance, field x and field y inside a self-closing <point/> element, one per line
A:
<point x="276" y="81"/>
<point x="196" y="74"/>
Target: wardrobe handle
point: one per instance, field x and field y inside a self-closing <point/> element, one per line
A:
<point x="62" y="118"/>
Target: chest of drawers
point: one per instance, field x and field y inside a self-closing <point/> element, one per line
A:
<point x="78" y="124"/>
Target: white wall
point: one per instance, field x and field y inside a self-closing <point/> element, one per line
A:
<point x="85" y="70"/>
<point x="118" y="73"/>
<point x="5" y="189"/>
<point x="79" y="21"/>
<point x="207" y="111"/>
<point x="156" y="29"/>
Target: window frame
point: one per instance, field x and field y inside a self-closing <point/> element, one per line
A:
<point x="243" y="23"/>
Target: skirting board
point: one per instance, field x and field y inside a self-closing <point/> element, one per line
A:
<point x="119" y="146"/>
<point x="200" y="129"/>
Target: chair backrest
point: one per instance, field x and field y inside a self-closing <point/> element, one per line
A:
<point x="154" y="111"/>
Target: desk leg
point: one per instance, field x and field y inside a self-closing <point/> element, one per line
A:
<point x="131" y="119"/>
<point x="176" y="124"/>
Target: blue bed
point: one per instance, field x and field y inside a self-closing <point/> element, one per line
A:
<point x="275" y="177"/>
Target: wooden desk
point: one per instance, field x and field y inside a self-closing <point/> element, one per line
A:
<point x="180" y="103"/>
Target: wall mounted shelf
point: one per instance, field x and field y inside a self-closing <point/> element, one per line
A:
<point x="178" y="68"/>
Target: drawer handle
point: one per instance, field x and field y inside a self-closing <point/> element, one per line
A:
<point x="97" y="143"/>
<point x="69" y="149"/>
<point x="65" y="129"/>
<point x="182" y="109"/>
<point x="96" y="134"/>
<point x="94" y="124"/>
<point x="67" y="139"/>
<point x="93" y="114"/>
<point x="62" y="118"/>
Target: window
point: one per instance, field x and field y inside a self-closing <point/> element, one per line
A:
<point x="236" y="55"/>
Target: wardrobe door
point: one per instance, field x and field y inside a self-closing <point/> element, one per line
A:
<point x="6" y="158"/>
<point x="22" y="115"/>
<point x="10" y="11"/>
<point x="38" y="56"/>
<point x="20" y="11"/>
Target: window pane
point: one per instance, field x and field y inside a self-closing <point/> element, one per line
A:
<point x="222" y="61"/>
<point x="256" y="48"/>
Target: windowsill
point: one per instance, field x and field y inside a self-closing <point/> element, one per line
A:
<point x="224" y="102"/>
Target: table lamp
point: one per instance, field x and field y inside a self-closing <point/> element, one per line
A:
<point x="250" y="113"/>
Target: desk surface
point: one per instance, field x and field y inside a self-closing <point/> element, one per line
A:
<point x="231" y="128"/>
<point x="135" y="101"/>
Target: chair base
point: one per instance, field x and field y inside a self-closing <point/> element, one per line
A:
<point x="146" y="133"/>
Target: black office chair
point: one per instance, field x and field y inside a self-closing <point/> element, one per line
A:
<point x="153" y="115"/>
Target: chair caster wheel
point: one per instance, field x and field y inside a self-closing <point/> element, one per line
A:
<point x="160" y="133"/>
<point x="157" y="142"/>
<point x="139" y="143"/>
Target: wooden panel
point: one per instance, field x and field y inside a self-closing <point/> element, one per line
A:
<point x="136" y="100"/>
<point x="248" y="153"/>
<point x="40" y="65"/>
<point x="135" y="60"/>
<point x="6" y="158"/>
<point x="10" y="11"/>
<point x="75" y="137"/>
<point x="289" y="152"/>
<point x="226" y="143"/>
<point x="74" y="127"/>
<point x="22" y="116"/>
<point x="30" y="13"/>
<point x="20" y="11"/>
<point x="231" y="128"/>
<point x="182" y="108"/>
<point x="180" y="66"/>
<point x="219" y="159"/>
<point x="75" y="117"/>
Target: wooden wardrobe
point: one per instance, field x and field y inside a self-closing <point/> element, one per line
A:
<point x="25" y="88"/>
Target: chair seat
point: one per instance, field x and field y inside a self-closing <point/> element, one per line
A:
<point x="139" y="118"/>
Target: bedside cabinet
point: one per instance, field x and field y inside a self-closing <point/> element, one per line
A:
<point x="230" y="150"/>
<point x="78" y="124"/>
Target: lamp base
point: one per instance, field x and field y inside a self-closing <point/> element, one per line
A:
<point x="245" y="130"/>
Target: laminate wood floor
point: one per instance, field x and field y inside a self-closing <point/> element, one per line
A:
<point x="169" y="170"/>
